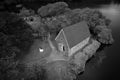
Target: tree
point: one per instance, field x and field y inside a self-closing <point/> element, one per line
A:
<point x="105" y="37"/>
<point x="15" y="38"/>
<point x="26" y="12"/>
<point x="52" y="9"/>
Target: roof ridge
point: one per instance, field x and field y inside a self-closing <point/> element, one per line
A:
<point x="72" y="32"/>
<point x="58" y="34"/>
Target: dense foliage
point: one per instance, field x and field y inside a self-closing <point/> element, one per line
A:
<point x="52" y="9"/>
<point x="98" y="24"/>
<point x="15" y="40"/>
<point x="15" y="34"/>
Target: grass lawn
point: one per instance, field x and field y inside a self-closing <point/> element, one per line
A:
<point x="50" y="53"/>
<point x="35" y="56"/>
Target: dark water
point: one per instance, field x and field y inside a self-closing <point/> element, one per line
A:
<point x="109" y="68"/>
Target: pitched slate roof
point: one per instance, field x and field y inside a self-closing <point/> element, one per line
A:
<point x="76" y="33"/>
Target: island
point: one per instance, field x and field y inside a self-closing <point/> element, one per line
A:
<point x="53" y="43"/>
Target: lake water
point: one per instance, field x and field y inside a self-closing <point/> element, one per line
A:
<point x="109" y="69"/>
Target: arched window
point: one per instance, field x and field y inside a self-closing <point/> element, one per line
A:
<point x="61" y="47"/>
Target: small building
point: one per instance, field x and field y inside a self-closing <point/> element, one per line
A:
<point x="73" y="38"/>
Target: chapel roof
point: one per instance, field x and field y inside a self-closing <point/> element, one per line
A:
<point x="76" y="33"/>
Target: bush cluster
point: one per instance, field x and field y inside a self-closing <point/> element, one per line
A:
<point x="15" y="39"/>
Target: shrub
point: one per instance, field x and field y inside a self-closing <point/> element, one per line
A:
<point x="52" y="9"/>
